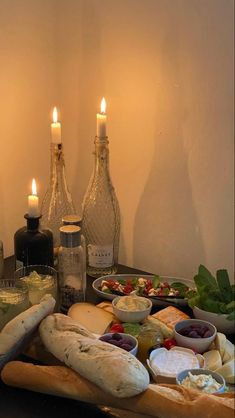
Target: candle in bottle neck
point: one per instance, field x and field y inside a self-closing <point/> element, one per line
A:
<point x="101" y="120"/>
<point x="33" y="201"/>
<point x="55" y="128"/>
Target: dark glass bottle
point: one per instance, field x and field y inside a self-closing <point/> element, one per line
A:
<point x="33" y="245"/>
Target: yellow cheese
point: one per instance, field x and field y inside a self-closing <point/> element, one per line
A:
<point x="94" y="319"/>
<point x="228" y="352"/>
<point x="170" y="316"/>
<point x="227" y="371"/>
<point x="220" y="341"/>
<point x="166" y="332"/>
<point x="213" y="359"/>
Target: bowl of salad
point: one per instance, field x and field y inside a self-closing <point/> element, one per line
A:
<point x="162" y="290"/>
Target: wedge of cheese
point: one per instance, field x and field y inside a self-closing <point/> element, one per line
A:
<point x="229" y="352"/>
<point x="170" y="316"/>
<point x="228" y="371"/>
<point x="212" y="359"/>
<point x="94" y="319"/>
<point x="220" y="341"/>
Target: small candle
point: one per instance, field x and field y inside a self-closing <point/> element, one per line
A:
<point x="101" y="119"/>
<point x="33" y="211"/>
<point x="55" y="128"/>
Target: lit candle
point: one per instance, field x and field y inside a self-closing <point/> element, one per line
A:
<point x="33" y="211"/>
<point x="101" y="120"/>
<point x="55" y="128"/>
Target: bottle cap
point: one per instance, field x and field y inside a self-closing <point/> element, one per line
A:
<point x="70" y="236"/>
<point x="72" y="220"/>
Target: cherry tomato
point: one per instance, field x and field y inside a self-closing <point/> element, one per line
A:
<point x="128" y="289"/>
<point x="169" y="343"/>
<point x="117" y="328"/>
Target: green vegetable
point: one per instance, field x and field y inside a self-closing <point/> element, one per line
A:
<point x="156" y="281"/>
<point x="213" y="294"/>
<point x="132" y="329"/>
<point x="181" y="287"/>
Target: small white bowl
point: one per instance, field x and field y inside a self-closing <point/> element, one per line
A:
<point x="131" y="316"/>
<point x="200" y="345"/>
<point x="218" y="377"/>
<point x="129" y="338"/>
<point x="219" y="320"/>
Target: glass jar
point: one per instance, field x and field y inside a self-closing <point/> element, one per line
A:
<point x="72" y="274"/>
<point x="149" y="337"/>
<point x="14" y="299"/>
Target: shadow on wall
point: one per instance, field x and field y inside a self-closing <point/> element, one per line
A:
<point x="172" y="242"/>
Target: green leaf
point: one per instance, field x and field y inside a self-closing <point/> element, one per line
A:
<point x="122" y="281"/>
<point x="231" y="316"/>
<point x="194" y="301"/>
<point x="204" y="272"/>
<point x="224" y="285"/>
<point x="156" y="281"/>
<point x="181" y="287"/>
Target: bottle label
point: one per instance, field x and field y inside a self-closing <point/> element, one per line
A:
<point x="100" y="255"/>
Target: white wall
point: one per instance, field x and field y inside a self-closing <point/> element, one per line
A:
<point x="27" y="93"/>
<point x="166" y="70"/>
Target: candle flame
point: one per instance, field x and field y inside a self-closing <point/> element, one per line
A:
<point x="34" y="187"/>
<point x="103" y="106"/>
<point x="55" y="115"/>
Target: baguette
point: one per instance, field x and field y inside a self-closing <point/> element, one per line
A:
<point x="16" y="333"/>
<point x="160" y="401"/>
<point x="111" y="368"/>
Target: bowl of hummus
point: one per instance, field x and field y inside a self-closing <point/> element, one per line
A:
<point x="202" y="380"/>
<point x="131" y="308"/>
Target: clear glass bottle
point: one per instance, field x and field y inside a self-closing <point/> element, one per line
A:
<point x="57" y="201"/>
<point x="72" y="275"/>
<point x="1" y="259"/>
<point x="101" y="216"/>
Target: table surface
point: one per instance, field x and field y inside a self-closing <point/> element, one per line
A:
<point x="19" y="403"/>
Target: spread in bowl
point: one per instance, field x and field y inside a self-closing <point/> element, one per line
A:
<point x="202" y="380"/>
<point x="132" y="303"/>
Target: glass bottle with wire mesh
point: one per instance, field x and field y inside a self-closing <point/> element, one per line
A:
<point x="57" y="201"/>
<point x="101" y="216"/>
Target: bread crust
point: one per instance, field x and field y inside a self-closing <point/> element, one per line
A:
<point x="162" y="401"/>
<point x="111" y="368"/>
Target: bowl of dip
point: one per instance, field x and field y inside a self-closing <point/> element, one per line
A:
<point x="202" y="380"/>
<point x="131" y="308"/>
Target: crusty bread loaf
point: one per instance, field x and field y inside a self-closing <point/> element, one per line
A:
<point x="157" y="401"/>
<point x="111" y="368"/>
<point x="16" y="332"/>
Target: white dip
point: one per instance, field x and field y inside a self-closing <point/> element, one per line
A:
<point x="202" y="382"/>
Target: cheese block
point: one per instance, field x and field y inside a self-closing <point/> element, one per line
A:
<point x="106" y="306"/>
<point x="94" y="319"/>
<point x="228" y="372"/>
<point x="213" y="359"/>
<point x="220" y="341"/>
<point x="170" y="316"/>
<point x="228" y="353"/>
<point x="166" y="332"/>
